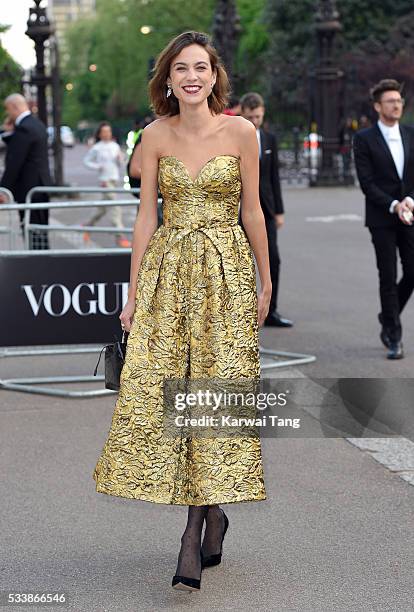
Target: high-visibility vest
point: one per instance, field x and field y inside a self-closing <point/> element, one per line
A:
<point x="132" y="138"/>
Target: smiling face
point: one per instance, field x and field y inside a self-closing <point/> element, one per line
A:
<point x="191" y="75"/>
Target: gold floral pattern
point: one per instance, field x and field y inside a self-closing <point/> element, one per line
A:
<point x="195" y="317"/>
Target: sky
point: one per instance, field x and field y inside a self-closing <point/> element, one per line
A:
<point x="20" y="47"/>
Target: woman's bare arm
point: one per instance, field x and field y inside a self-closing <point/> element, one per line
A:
<point x="251" y="211"/>
<point x="146" y="222"/>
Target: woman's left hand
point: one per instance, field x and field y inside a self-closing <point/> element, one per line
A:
<point x="263" y="301"/>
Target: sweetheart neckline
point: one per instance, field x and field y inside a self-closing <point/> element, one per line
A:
<point x="194" y="180"/>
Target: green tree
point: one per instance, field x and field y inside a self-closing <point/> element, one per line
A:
<point x="254" y="41"/>
<point x="114" y="43"/>
<point x="10" y="71"/>
<point x="292" y="46"/>
<point x="372" y="61"/>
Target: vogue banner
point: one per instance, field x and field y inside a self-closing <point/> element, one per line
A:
<point x="62" y="299"/>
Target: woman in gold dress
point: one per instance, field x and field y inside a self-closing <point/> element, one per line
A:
<point x="193" y="311"/>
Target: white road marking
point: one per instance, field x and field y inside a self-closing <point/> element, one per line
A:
<point x="394" y="453"/>
<point x="333" y="218"/>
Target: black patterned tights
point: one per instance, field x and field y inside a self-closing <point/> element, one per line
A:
<point x="189" y="561"/>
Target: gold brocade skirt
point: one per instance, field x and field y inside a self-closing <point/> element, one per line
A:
<point x="195" y="317"/>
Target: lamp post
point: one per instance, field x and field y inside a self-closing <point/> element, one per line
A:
<point x="39" y="29"/>
<point x="328" y="90"/>
<point x="226" y="30"/>
<point x="56" y="112"/>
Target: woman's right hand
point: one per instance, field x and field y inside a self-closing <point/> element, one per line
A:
<point x="127" y="314"/>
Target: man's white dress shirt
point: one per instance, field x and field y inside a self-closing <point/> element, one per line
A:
<point x="258" y="140"/>
<point x="21" y="117"/>
<point x="392" y="137"/>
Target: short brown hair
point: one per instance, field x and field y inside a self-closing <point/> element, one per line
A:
<point x="157" y="87"/>
<point x="383" y="86"/>
<point x="251" y="100"/>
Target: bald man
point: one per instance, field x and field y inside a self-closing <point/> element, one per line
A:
<point x="27" y="164"/>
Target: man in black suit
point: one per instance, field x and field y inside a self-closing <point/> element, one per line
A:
<point x="253" y="109"/>
<point x="384" y="159"/>
<point x="27" y="164"/>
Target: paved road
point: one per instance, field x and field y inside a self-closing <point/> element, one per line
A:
<point x="329" y="287"/>
<point x="335" y="533"/>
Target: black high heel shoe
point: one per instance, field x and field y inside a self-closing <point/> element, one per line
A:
<point x="183" y="583"/>
<point x="211" y="560"/>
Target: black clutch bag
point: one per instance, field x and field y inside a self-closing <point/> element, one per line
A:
<point x="114" y="361"/>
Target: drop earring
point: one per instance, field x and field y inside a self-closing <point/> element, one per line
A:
<point x="169" y="90"/>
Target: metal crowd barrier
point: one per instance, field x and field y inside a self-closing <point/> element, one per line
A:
<point x="283" y="359"/>
<point x="39" y="385"/>
<point x="28" y="227"/>
<point x="7" y="193"/>
<point x="6" y="229"/>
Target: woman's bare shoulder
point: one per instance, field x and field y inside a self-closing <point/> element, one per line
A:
<point x="240" y="130"/>
<point x="158" y="126"/>
<point x="157" y="131"/>
<point x="236" y="124"/>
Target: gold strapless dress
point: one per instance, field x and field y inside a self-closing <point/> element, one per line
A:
<point x="195" y="317"/>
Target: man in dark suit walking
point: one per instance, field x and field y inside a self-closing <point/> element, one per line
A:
<point x="27" y="164"/>
<point x="253" y="109"/>
<point x="384" y="159"/>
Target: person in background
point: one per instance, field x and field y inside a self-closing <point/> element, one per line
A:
<point x="364" y="122"/>
<point x="133" y="136"/>
<point x="233" y="108"/>
<point x="346" y="136"/>
<point x="134" y="162"/>
<point x="134" y="167"/>
<point x="384" y="160"/>
<point x="106" y="157"/>
<point x="253" y="109"/>
<point x="27" y="164"/>
<point x="7" y="130"/>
